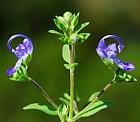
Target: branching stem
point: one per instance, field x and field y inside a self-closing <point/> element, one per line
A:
<point x="95" y="100"/>
<point x="45" y="94"/>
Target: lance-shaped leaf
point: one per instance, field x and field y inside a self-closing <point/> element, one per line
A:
<point x="93" y="96"/>
<point x="43" y="108"/>
<point x="82" y="26"/>
<point x="74" y="21"/>
<point x="93" y="109"/>
<point x="55" y="32"/>
<point x="98" y="106"/>
<point x="63" y="112"/>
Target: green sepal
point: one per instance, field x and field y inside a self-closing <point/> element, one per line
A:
<point x="55" y="32"/>
<point x="110" y="64"/>
<point x="43" y="108"/>
<point x="82" y="26"/>
<point x="18" y="77"/>
<point x="63" y="112"/>
<point x="27" y="60"/>
<point x="21" y="73"/>
<point x="83" y="36"/>
<point x="121" y="76"/>
<point x="93" y="96"/>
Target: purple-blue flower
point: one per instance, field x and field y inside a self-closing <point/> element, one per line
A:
<point x="22" y="51"/>
<point x="110" y="52"/>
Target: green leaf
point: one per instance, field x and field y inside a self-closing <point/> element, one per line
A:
<point x="65" y="40"/>
<point x="67" y="16"/>
<point x="67" y="66"/>
<point x="66" y="99"/>
<point x="74" y="20"/>
<point x="83" y="36"/>
<point x="55" y="32"/>
<point x="63" y="112"/>
<point x="93" y="109"/>
<point x="66" y="53"/>
<point x="93" y="96"/>
<point x="43" y="108"/>
<point x="98" y="106"/>
<point x="59" y="23"/>
<point x="81" y="27"/>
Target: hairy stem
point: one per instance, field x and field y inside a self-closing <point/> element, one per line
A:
<point x="72" y="48"/>
<point x="95" y="100"/>
<point x="45" y="94"/>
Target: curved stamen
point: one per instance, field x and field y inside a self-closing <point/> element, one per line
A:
<point x="124" y="65"/>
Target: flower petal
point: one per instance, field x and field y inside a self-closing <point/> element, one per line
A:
<point x="102" y="45"/>
<point x="12" y="70"/>
<point x="120" y="41"/>
<point x="111" y="50"/>
<point x="25" y="42"/>
<point x="101" y="53"/>
<point x="20" y="51"/>
<point x="28" y="45"/>
<point x="124" y="65"/>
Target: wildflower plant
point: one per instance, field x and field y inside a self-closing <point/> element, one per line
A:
<point x="69" y="33"/>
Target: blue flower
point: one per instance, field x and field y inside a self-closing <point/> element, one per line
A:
<point x="110" y="52"/>
<point x="22" y="51"/>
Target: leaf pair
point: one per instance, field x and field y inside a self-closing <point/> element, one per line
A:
<point x="67" y="24"/>
<point x="66" y="57"/>
<point x="66" y="100"/>
<point x="93" y="108"/>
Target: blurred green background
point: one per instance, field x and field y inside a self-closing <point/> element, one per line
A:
<point x="34" y="18"/>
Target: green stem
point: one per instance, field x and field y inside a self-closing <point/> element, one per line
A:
<point x="72" y="48"/>
<point x="47" y="97"/>
<point x="95" y="100"/>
